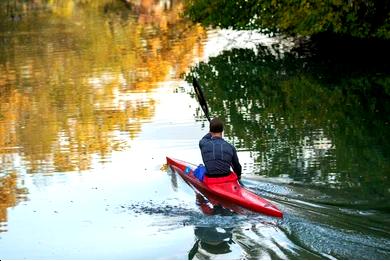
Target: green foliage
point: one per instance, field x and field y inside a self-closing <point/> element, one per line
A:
<point x="356" y="18"/>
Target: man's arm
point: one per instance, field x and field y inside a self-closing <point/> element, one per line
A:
<point x="236" y="164"/>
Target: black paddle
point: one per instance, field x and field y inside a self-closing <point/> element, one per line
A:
<point x="200" y="96"/>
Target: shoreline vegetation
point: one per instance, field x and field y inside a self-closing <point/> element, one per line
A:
<point x="356" y="30"/>
<point x="358" y="19"/>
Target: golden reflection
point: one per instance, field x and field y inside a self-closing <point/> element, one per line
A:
<point x="10" y="195"/>
<point x="80" y="85"/>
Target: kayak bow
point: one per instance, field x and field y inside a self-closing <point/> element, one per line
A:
<point x="224" y="190"/>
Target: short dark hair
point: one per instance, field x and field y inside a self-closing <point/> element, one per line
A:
<point x="216" y="125"/>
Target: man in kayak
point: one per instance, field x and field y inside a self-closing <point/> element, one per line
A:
<point x="218" y="155"/>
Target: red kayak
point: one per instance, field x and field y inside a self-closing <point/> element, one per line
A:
<point x="224" y="190"/>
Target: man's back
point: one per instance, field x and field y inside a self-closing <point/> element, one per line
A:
<point x="218" y="156"/>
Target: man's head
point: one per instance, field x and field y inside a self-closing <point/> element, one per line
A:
<point x="216" y="125"/>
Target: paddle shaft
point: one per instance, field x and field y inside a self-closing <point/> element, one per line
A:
<point x="201" y="98"/>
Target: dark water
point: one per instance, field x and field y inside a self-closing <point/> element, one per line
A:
<point x="93" y="97"/>
<point x="320" y="119"/>
<point x="319" y="122"/>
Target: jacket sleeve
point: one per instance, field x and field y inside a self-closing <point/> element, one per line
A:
<point x="205" y="138"/>
<point x="236" y="164"/>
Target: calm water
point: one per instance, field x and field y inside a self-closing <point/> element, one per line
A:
<point x="93" y="97"/>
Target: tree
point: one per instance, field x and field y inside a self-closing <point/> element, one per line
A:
<point x="356" y="18"/>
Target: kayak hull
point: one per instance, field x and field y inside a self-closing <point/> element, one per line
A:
<point x="224" y="190"/>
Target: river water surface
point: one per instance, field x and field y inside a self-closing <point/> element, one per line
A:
<point x="93" y="98"/>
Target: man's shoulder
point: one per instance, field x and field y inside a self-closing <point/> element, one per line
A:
<point x="228" y="143"/>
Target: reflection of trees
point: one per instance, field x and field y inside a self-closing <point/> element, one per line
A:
<point x="77" y="84"/>
<point x="10" y="195"/>
<point x="319" y="118"/>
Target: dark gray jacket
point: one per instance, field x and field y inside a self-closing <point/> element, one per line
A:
<point x="218" y="155"/>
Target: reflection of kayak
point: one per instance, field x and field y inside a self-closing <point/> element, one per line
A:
<point x="211" y="241"/>
<point x="224" y="190"/>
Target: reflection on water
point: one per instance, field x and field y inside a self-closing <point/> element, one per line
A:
<point x="211" y="241"/>
<point x="312" y="228"/>
<point x="77" y="79"/>
<point x="303" y="120"/>
<point x="11" y="193"/>
<point x="316" y="125"/>
<point x="79" y="84"/>
<point x="91" y="103"/>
